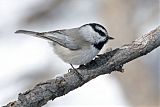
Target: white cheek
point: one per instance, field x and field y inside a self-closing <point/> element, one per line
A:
<point x="99" y="38"/>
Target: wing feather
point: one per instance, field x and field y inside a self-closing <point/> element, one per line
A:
<point x="59" y="36"/>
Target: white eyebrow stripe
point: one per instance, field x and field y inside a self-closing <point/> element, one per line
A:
<point x="100" y="28"/>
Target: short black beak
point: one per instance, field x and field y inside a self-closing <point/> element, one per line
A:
<point x="110" y="37"/>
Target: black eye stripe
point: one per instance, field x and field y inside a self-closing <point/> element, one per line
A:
<point x="100" y="32"/>
<point x="95" y="28"/>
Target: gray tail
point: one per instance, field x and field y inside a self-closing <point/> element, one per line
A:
<point x="32" y="33"/>
<point x="35" y="34"/>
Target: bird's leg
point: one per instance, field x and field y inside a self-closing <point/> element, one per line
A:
<point x="77" y="73"/>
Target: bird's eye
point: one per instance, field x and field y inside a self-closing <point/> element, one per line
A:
<point x="101" y="33"/>
<point x="99" y="29"/>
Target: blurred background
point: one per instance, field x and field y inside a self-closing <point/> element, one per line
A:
<point x="26" y="61"/>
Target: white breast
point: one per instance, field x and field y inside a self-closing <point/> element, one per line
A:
<point x="76" y="57"/>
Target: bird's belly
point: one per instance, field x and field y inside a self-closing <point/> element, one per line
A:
<point x="76" y="57"/>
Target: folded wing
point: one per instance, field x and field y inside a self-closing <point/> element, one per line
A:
<point x="59" y="37"/>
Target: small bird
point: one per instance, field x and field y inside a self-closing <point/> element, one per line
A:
<point x="76" y="46"/>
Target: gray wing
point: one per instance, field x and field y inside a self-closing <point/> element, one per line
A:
<point x="62" y="37"/>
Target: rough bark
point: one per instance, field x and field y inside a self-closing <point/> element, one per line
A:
<point x="103" y="64"/>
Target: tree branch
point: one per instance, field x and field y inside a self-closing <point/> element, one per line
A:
<point x="103" y="64"/>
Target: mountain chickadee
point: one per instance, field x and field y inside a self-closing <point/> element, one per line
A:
<point x="75" y="46"/>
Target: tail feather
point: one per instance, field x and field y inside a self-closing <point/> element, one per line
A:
<point x="26" y="32"/>
<point x="31" y="33"/>
<point x="35" y="34"/>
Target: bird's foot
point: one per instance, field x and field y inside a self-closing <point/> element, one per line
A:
<point x="77" y="73"/>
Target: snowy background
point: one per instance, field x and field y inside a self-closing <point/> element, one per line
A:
<point x="26" y="61"/>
